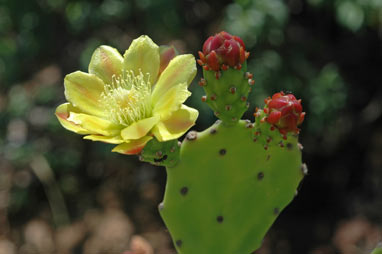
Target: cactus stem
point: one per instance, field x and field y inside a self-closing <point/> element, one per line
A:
<point x="260" y="176"/>
<point x="204" y="98"/>
<point x="184" y="191"/>
<point x="228" y="107"/>
<point x="232" y="90"/>
<point x="192" y="135"/>
<point x="222" y="151"/>
<point x="219" y="219"/>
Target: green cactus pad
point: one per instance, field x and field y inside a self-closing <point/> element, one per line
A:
<point x="227" y="189"/>
<point x="227" y="93"/>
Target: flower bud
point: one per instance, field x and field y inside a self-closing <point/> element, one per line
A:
<point x="222" y="51"/>
<point x="284" y="111"/>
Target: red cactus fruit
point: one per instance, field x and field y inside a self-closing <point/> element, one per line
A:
<point x="222" y="51"/>
<point x="284" y="112"/>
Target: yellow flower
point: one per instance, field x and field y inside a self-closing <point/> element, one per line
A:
<point x="131" y="99"/>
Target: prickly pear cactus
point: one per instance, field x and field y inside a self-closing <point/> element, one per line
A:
<point x="233" y="179"/>
<point x="227" y="189"/>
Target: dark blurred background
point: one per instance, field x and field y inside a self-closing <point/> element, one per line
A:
<point x="62" y="194"/>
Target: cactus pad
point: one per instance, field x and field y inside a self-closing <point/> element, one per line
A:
<point x="227" y="188"/>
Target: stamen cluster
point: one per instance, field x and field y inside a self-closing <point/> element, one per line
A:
<point x="127" y="98"/>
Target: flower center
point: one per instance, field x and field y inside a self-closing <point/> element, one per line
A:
<point x="127" y="98"/>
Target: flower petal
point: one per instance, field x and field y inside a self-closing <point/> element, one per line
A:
<point x="106" y="62"/>
<point x="181" y="69"/>
<point x="84" y="91"/>
<point x="167" y="53"/>
<point x="62" y="114"/>
<point x="95" y="124"/>
<point x="171" y="101"/>
<point x="110" y="140"/>
<point x="174" y="127"/>
<point x="139" y="129"/>
<point x="133" y="147"/>
<point x="143" y="56"/>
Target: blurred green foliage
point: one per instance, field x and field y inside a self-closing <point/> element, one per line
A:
<point x="326" y="52"/>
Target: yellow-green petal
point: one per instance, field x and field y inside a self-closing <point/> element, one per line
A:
<point x="62" y="114"/>
<point x="171" y="101"/>
<point x="175" y="126"/>
<point x="111" y="140"/>
<point x="143" y="56"/>
<point x="106" y="62"/>
<point x="84" y="91"/>
<point x="181" y="69"/>
<point x="140" y="128"/>
<point x="95" y="124"/>
<point x="132" y="147"/>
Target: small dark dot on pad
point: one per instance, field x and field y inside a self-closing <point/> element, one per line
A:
<point x="289" y="146"/>
<point x="213" y="131"/>
<point x="184" y="191"/>
<point x="276" y="211"/>
<point x="178" y="243"/>
<point x="260" y="175"/>
<point x="222" y="151"/>
<point x="220" y="219"/>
